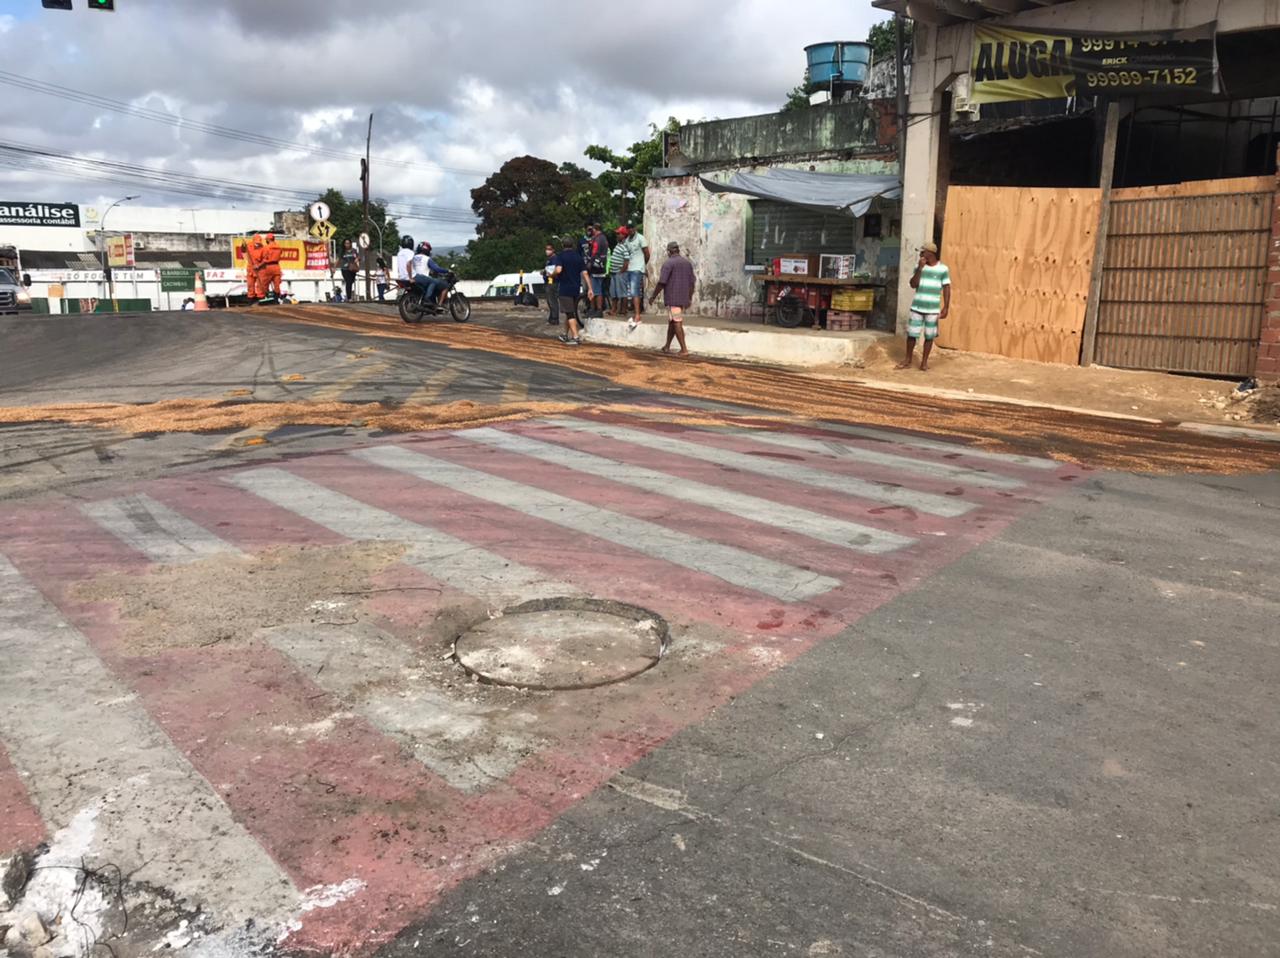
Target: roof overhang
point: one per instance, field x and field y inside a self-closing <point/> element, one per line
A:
<point x="945" y="12"/>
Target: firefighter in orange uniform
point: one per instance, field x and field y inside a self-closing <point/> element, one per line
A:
<point x="270" y="275"/>
<point x="251" y="268"/>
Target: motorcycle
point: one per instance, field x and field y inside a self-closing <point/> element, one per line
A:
<point x="414" y="306"/>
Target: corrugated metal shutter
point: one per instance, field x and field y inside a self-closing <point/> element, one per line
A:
<point x="779" y="228"/>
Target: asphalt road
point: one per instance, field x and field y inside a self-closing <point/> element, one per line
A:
<point x="1044" y="727"/>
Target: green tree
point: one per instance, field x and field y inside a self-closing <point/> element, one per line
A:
<point x="628" y="173"/>
<point x="347" y="216"/>
<point x="487" y="257"/>
<point x="527" y="193"/>
<point x="883" y="41"/>
<point x="798" y="98"/>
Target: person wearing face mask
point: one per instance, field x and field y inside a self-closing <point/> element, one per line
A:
<point x="548" y="277"/>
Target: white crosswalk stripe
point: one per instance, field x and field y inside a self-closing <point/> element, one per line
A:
<point x="468" y="568"/>
<point x="849" y="535"/>
<point x="883" y="435"/>
<point x="733" y="565"/>
<point x="926" y="502"/>
<point x="919" y="467"/>
<point x="89" y="752"/>
<point x="155" y="530"/>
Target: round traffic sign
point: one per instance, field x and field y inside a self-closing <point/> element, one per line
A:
<point x="365" y="241"/>
<point x="319" y="211"/>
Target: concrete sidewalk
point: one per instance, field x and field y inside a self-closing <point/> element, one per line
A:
<point x="746" y="340"/>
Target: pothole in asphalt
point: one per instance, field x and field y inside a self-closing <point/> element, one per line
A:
<point x="556" y="645"/>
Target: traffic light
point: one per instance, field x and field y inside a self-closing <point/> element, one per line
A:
<point x="102" y="4"/>
<point x="57" y="4"/>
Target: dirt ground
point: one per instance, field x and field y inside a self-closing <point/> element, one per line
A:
<point x="1165" y="396"/>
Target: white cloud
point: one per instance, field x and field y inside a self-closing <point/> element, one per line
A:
<point x="464" y="88"/>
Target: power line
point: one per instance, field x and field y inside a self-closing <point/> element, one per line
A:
<point x="21" y="156"/>
<point x="33" y="85"/>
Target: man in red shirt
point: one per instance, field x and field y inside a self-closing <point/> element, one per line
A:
<point x="676" y="283"/>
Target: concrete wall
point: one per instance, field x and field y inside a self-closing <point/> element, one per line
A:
<point x="711" y="229"/>
<point x="831" y="128"/>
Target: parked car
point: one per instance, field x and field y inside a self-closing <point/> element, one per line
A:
<point x="14" y="296"/>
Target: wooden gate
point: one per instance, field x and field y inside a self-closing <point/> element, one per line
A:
<point x="1184" y="278"/>
<point x="1020" y="263"/>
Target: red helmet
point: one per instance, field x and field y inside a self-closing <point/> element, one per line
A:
<point x="424" y="248"/>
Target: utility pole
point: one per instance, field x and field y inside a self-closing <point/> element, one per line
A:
<point x="364" y="178"/>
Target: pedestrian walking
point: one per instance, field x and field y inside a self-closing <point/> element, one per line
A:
<point x="635" y="250"/>
<point x="350" y="266"/>
<point x="931" y="305"/>
<point x="676" y="283"/>
<point x="552" y="294"/>
<point x="384" y="279"/>
<point x="572" y="278"/>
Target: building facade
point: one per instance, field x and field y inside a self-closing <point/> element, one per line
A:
<point x="732" y="237"/>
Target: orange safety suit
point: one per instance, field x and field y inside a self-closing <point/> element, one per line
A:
<point x="253" y="267"/>
<point x="269" y="273"/>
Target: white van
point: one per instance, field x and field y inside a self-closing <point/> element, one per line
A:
<point x="508" y="284"/>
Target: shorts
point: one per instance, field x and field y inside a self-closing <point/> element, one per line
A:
<point x="677" y="314"/>
<point x="922" y="324"/>
<point x="597" y="284"/>
<point x="616" y="290"/>
<point x="632" y="284"/>
<point x="569" y="306"/>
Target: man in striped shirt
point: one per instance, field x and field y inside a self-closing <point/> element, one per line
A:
<point x="932" y="303"/>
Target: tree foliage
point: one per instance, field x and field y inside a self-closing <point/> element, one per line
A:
<point x="347" y="216"/>
<point x="487" y="257"/>
<point x="798" y="98"/>
<point x="628" y="172"/>
<point x="527" y="193"/>
<point x="883" y="41"/>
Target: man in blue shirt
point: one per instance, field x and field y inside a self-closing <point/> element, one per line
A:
<point x="570" y="274"/>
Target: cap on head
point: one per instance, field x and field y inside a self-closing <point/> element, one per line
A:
<point x="257" y="239"/>
<point x="623" y="231"/>
<point x="930" y="248"/>
<point x="271" y="237"/>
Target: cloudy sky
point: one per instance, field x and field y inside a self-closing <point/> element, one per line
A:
<point x="456" y="89"/>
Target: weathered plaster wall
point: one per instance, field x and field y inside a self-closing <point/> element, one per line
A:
<point x="851" y="127"/>
<point x="712" y="230"/>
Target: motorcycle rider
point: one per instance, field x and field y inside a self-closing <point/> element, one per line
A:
<point x="428" y="274"/>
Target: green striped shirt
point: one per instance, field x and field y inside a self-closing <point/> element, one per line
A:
<point x="929" y="292"/>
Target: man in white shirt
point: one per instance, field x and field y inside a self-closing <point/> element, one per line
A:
<point x="404" y="259"/>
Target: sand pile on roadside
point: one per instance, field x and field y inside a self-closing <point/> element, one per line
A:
<point x="215" y="415"/>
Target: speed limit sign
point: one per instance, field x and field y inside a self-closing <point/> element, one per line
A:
<point x="319" y="211"/>
<point x="365" y="241"/>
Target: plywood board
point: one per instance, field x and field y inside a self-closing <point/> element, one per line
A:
<point x="1020" y="261"/>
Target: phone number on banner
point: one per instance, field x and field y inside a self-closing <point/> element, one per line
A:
<point x="1110" y="79"/>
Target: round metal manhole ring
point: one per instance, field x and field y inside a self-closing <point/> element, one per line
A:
<point x="564" y="644"/>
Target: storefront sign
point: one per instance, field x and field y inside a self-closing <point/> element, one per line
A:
<point x="39" y="214"/>
<point x="1019" y="64"/>
<point x="297" y="254"/>
<point x="120" y="251"/>
<point x="177" y="280"/>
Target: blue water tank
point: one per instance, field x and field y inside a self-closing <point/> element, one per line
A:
<point x="844" y="63"/>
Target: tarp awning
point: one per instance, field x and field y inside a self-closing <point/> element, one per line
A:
<point x="841" y="193"/>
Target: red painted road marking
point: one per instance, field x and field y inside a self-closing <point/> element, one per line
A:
<point x="21" y="827"/>
<point x="348" y="803"/>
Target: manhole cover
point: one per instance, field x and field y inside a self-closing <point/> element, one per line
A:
<point x="563" y="644"/>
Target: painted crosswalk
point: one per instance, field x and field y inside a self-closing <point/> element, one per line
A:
<point x="339" y="748"/>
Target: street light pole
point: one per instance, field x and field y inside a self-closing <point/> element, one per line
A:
<point x="102" y="232"/>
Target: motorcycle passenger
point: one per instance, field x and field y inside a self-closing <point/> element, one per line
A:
<point x="404" y="259"/>
<point x="427" y="273"/>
